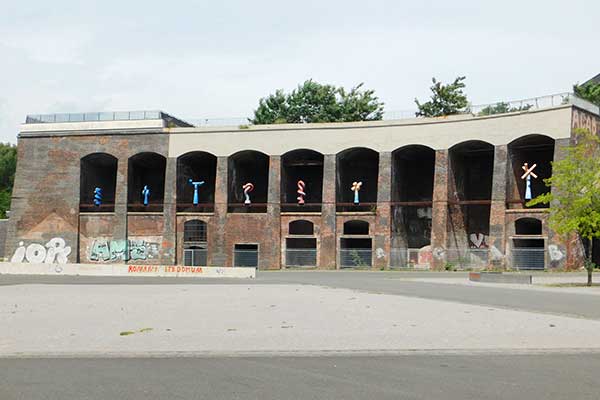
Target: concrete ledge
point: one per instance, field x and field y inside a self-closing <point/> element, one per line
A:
<point x="499" y="277"/>
<point x="125" y="270"/>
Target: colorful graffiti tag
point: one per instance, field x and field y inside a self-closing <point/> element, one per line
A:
<point x="54" y="252"/>
<point x="122" y="250"/>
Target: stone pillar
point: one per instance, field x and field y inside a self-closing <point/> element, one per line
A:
<point x="563" y="251"/>
<point x="273" y="253"/>
<point x="217" y="253"/>
<point x="382" y="228"/>
<point x="439" y="220"/>
<point x="328" y="249"/>
<point x="120" y="227"/>
<point x="169" y="243"/>
<point x="457" y="239"/>
<point x="497" y="237"/>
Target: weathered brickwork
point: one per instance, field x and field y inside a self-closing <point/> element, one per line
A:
<point x="46" y="206"/>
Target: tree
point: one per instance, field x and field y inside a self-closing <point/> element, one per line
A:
<point x="313" y="102"/>
<point x="445" y="100"/>
<point x="502" y="108"/>
<point x="8" y="165"/>
<point x="575" y="195"/>
<point x="589" y="91"/>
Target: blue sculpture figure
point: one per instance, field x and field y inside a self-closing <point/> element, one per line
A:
<point x="146" y="194"/>
<point x="528" y="195"/>
<point x="196" y="186"/>
<point x="97" y="196"/>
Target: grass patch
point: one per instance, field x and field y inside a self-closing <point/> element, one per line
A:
<point x="145" y="330"/>
<point x="126" y="333"/>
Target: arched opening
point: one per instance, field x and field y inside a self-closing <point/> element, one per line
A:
<point x="195" y="235"/>
<point x="528" y="252"/>
<point x="306" y="166"/>
<point x="538" y="152"/>
<point x="528" y="226"/>
<point x="413" y="170"/>
<point x="358" y="164"/>
<point x="192" y="169"/>
<point x="146" y="182"/>
<point x="356" y="227"/>
<point x="301" y="227"/>
<point x="244" y="167"/>
<point x="98" y="171"/>
<point x="301" y="251"/>
<point x="470" y="193"/>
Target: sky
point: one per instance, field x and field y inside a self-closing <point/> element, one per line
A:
<point x="201" y="59"/>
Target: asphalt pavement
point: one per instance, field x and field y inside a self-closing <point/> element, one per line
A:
<point x="417" y="377"/>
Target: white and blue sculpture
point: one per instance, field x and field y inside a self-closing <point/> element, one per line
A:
<point x="248" y="187"/>
<point x="196" y="185"/>
<point x="146" y="194"/>
<point x="527" y="176"/>
<point x="97" y="196"/>
<point x="356" y="188"/>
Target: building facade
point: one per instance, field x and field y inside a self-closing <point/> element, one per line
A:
<point x="147" y="188"/>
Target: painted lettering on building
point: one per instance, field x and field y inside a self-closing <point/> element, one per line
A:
<point x="122" y="250"/>
<point x="54" y="252"/>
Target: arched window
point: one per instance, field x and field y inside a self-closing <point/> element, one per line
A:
<point x="301" y="227"/>
<point x="98" y="170"/>
<point x="535" y="150"/>
<point x="357" y="165"/>
<point x="197" y="166"/>
<point x="356" y="227"/>
<point x="528" y="226"/>
<point x="248" y="166"/>
<point x="306" y="166"/>
<point x="146" y="170"/>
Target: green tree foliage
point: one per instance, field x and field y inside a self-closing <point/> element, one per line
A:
<point x="589" y="92"/>
<point x="445" y="99"/>
<point x="313" y="102"/>
<point x="502" y="108"/>
<point x="575" y="195"/>
<point x="8" y="165"/>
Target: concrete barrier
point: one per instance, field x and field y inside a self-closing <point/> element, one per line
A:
<point x="499" y="277"/>
<point x="125" y="270"/>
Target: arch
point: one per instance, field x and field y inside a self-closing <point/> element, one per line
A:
<point x="531" y="149"/>
<point x="356" y="227"/>
<point x="413" y="171"/>
<point x="301" y="227"/>
<point x="472" y="166"/>
<point x="413" y="168"/>
<point x="197" y="166"/>
<point x="528" y="226"/>
<point x="97" y="170"/>
<point x="195" y="231"/>
<point x="146" y="169"/>
<point x="248" y="166"/>
<point x="534" y="138"/>
<point x="353" y="165"/>
<point x="301" y="165"/>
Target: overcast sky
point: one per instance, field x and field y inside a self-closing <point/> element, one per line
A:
<point x="201" y="59"/>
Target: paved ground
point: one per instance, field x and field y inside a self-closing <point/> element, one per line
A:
<point x="423" y="377"/>
<point x="395" y="335"/>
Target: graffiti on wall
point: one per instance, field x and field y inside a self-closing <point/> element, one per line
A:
<point x="54" y="252"/>
<point x="122" y="250"/>
<point x="478" y="241"/>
